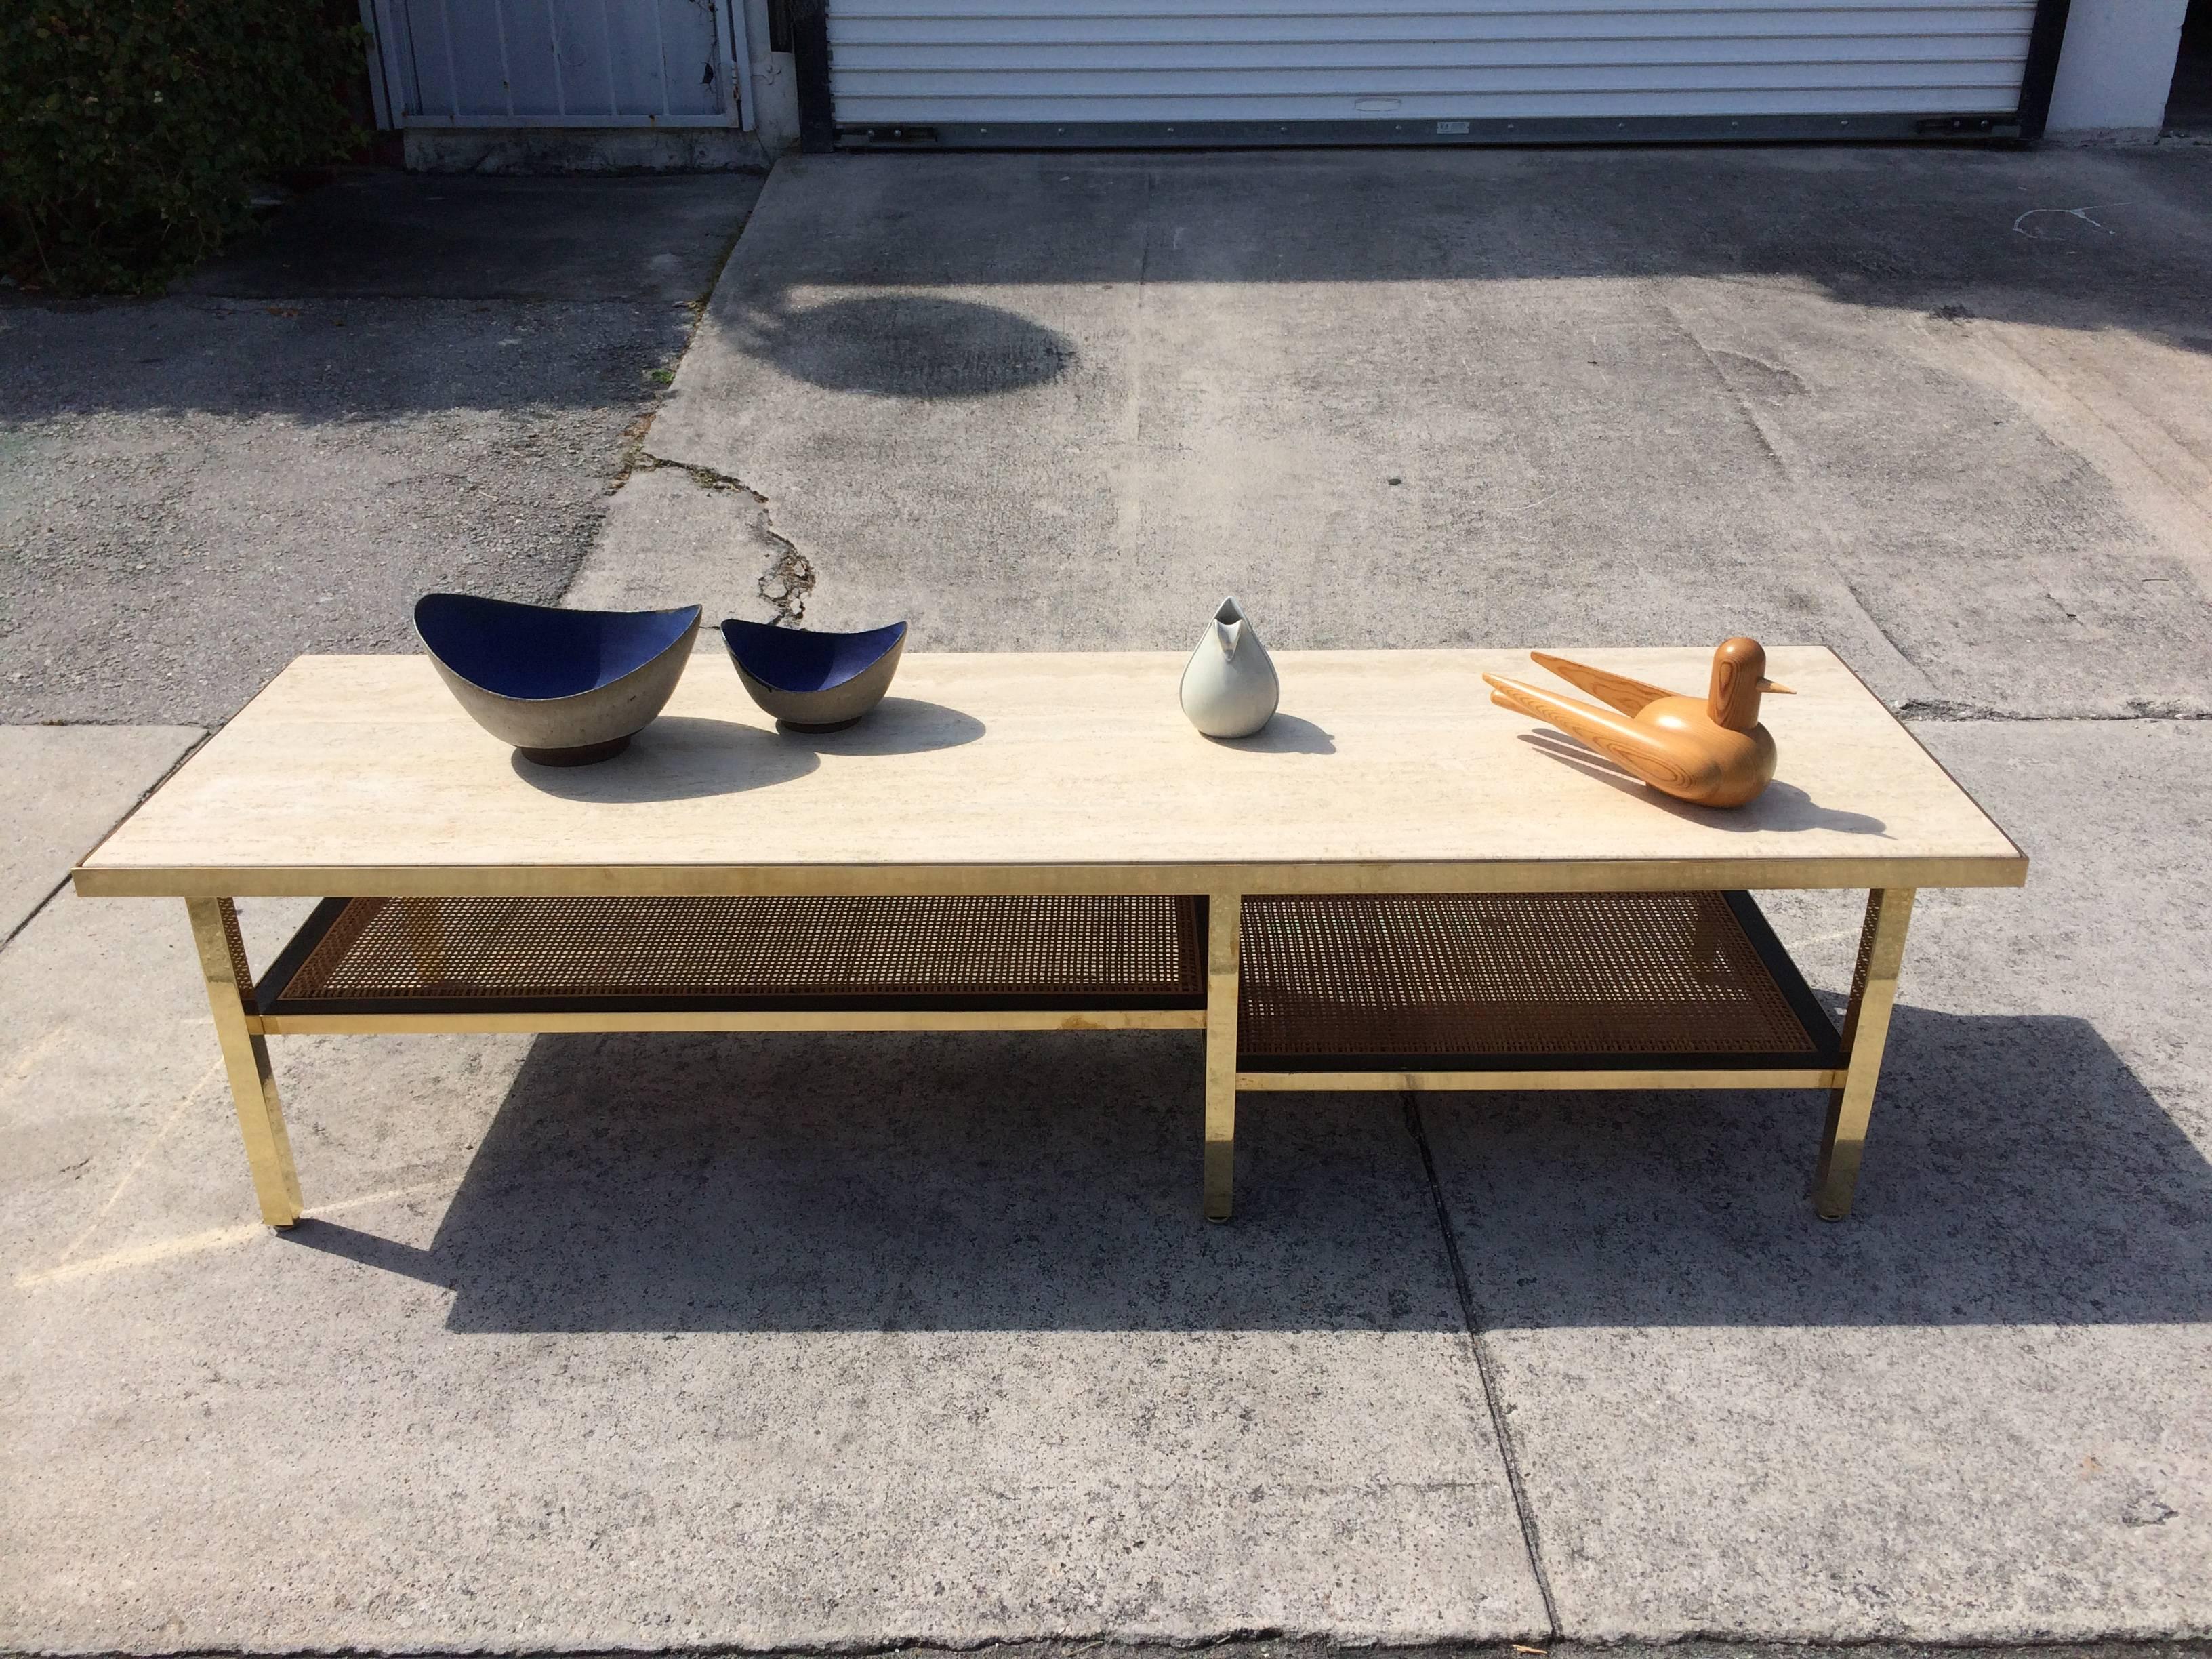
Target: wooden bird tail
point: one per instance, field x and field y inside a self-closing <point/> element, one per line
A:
<point x="1634" y="748"/>
<point x="1624" y="694"/>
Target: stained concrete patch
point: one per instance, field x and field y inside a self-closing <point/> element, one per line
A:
<point x="67" y="788"/>
<point x="1457" y="397"/>
<point x="1974" y="1411"/>
<point x="595" y="1343"/>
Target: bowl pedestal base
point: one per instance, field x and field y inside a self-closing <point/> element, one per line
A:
<point x="583" y="755"/>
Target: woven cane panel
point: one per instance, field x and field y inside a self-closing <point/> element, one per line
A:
<point x="495" y="948"/>
<point x="1500" y="974"/>
<point x="241" y="972"/>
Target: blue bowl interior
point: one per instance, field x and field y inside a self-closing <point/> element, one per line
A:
<point x="791" y="660"/>
<point x="534" y="652"/>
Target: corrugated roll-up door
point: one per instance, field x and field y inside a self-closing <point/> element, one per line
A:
<point x="560" y="63"/>
<point x="1255" y="71"/>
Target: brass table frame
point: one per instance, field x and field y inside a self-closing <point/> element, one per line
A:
<point x="244" y="1019"/>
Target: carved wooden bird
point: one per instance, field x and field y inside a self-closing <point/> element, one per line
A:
<point x="1714" y="752"/>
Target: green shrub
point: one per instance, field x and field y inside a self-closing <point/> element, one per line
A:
<point x="132" y="132"/>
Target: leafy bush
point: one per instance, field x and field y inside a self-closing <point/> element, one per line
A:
<point x="132" y="131"/>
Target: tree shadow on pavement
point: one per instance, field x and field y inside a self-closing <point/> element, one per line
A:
<point x="909" y="345"/>
<point x="2059" y="239"/>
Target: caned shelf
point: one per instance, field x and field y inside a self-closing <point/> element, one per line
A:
<point x="843" y="952"/>
<point x="1521" y="981"/>
<point x="1435" y="983"/>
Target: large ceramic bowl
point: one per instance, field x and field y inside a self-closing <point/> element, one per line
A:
<point x="814" y="682"/>
<point x="565" y="687"/>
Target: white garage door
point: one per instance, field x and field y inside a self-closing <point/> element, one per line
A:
<point x="1364" y="70"/>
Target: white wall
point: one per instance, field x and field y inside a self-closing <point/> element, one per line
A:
<point x="775" y="86"/>
<point x="2117" y="67"/>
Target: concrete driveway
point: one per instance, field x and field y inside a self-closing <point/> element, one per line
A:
<point x="401" y="384"/>
<point x="593" y="1343"/>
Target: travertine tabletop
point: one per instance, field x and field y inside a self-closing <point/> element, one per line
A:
<point x="1384" y="770"/>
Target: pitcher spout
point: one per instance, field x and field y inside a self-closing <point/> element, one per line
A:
<point x="1229" y="626"/>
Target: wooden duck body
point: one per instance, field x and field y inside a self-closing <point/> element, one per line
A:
<point x="1725" y="768"/>
<point x="1710" y="750"/>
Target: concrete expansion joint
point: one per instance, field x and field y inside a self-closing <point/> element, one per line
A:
<point x="32" y="915"/>
<point x="1940" y="710"/>
<point x="788" y="581"/>
<point x="1493" y="1397"/>
<point x="62" y="885"/>
<point x="1257" y="1643"/>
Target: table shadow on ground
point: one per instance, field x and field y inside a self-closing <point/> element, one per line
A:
<point x="2018" y="1172"/>
<point x="864" y="1183"/>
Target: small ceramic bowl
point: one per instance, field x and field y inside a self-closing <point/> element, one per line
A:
<point x="814" y="682"/>
<point x="565" y="687"/>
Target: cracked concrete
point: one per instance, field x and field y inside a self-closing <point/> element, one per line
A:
<point x="787" y="584"/>
<point x="682" y="535"/>
<point x="788" y="581"/>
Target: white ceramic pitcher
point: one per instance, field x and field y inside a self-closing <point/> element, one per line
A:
<point x="1229" y="686"/>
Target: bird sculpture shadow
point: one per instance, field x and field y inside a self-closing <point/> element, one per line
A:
<point x="1712" y="751"/>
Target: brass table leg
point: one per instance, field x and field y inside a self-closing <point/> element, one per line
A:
<point x="1866" y="1032"/>
<point x="1223" y="927"/>
<point x="246" y="1057"/>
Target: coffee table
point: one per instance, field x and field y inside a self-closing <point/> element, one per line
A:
<point x="1395" y="886"/>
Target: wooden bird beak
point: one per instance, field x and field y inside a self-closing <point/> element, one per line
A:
<point x="1769" y="685"/>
